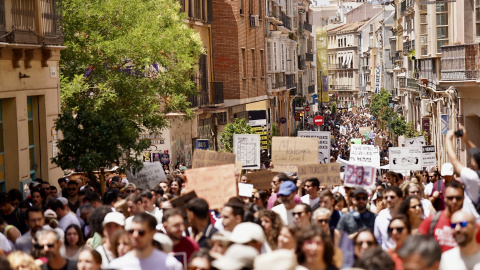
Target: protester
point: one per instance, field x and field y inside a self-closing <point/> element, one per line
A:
<point x="420" y="252"/>
<point x="413" y="210"/>
<point x="363" y="241"/>
<point x="286" y="238"/>
<point x="121" y="243"/>
<point x="35" y="220"/>
<point x="286" y="193"/>
<point x="398" y="230"/>
<point x="20" y="260"/>
<point x="74" y="242"/>
<point x="314" y="249"/>
<point x="353" y="221"/>
<point x="49" y="244"/>
<point x="112" y="223"/>
<point x="271" y="224"/>
<point x="199" y="218"/>
<point x="89" y="259"/>
<point x="302" y="214"/>
<point x="311" y="192"/>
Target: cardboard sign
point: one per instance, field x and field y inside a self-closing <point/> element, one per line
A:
<point x="415" y="142"/>
<point x="215" y="184"/>
<point x="261" y="180"/>
<point x="207" y="158"/>
<point x="180" y="203"/>
<point x="403" y="158"/>
<point x="429" y="158"/>
<point x="361" y="176"/>
<point x="245" y="190"/>
<point x="380" y="142"/>
<point x="148" y="177"/>
<point x="367" y="155"/>
<point x="328" y="174"/>
<point x="247" y="149"/>
<point x="363" y="130"/>
<point x="290" y="152"/>
<point x="324" y="138"/>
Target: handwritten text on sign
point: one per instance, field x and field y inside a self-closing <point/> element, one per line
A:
<point x="403" y="158"/>
<point x="215" y="184"/>
<point x="327" y="174"/>
<point x="365" y="155"/>
<point x="290" y="152"/>
<point x="149" y="176"/>
<point x="362" y="176"/>
<point x="261" y="180"/>
<point x="207" y="158"/>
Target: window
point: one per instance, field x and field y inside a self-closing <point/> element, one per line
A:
<point x="275" y="54"/>
<point x="260" y="9"/>
<point x="254" y="63"/>
<point x="244" y="63"/>
<point x="269" y="56"/>
<point x="477" y="17"/>
<point x="31" y="137"/>
<point x="442" y="25"/>
<point x="2" y="153"/>
<point x="241" y="7"/>
<point x="282" y="57"/>
<point x="262" y="69"/>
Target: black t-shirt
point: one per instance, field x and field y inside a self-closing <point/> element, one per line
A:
<point x="17" y="218"/>
<point x="70" y="265"/>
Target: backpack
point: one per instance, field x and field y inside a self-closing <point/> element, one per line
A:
<point x="434" y="222"/>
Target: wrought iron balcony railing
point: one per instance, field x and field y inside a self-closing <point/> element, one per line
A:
<point x="461" y="62"/>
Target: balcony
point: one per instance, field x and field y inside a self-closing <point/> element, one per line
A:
<point x="460" y="62"/>
<point x="341" y="87"/>
<point x="286" y="21"/>
<point x="278" y="84"/>
<point x="291" y="81"/>
<point x="301" y="63"/>
<point x="311" y="89"/>
<point x="407" y="5"/>
<point x="340" y="66"/>
<point x="204" y="100"/>
<point x="309" y="57"/>
<point x="408" y="46"/>
<point x="307" y="27"/>
<point x="408" y="83"/>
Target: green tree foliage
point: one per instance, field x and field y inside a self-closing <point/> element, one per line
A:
<point x="379" y="102"/>
<point x="333" y="108"/>
<point x="127" y="64"/>
<point x="240" y="126"/>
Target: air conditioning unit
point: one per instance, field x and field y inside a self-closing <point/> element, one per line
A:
<point x="426" y="107"/>
<point x="254" y="21"/>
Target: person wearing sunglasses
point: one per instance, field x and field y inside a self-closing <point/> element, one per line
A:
<point x="363" y="241"/>
<point x="144" y="255"/>
<point x="49" y="244"/>
<point x="398" y="230"/>
<point x="467" y="254"/>
<point x="352" y="221"/>
<point x="393" y="197"/>
<point x="414" y="189"/>
<point x="113" y="222"/>
<point x="412" y="208"/>
<point x="130" y="188"/>
<point x="72" y="191"/>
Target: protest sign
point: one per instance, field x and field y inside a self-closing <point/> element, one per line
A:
<point x="323" y="143"/>
<point x="245" y="190"/>
<point x="429" y="159"/>
<point x="363" y="130"/>
<point x="215" y="184"/>
<point x="261" y="180"/>
<point x="362" y="176"/>
<point x="290" y="152"/>
<point x="403" y="158"/>
<point x="415" y="142"/>
<point x="355" y="141"/>
<point x="207" y="158"/>
<point x="148" y="177"/>
<point x="343" y="130"/>
<point x="328" y="174"/>
<point x="367" y="155"/>
<point x="247" y="149"/>
<point x="380" y="142"/>
<point x="180" y="203"/>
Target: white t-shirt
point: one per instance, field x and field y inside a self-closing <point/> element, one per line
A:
<point x="380" y="229"/>
<point x="452" y="259"/>
<point x="428" y="189"/>
<point x="285" y="215"/>
<point x="472" y="191"/>
<point x="107" y="256"/>
<point x="157" y="260"/>
<point x="68" y="219"/>
<point x="4" y="244"/>
<point x="306" y="200"/>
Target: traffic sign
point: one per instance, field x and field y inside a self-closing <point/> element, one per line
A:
<point x="307" y="109"/>
<point x="318" y="120"/>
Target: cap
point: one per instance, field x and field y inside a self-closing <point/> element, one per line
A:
<point x="281" y="259"/>
<point x="50" y="214"/>
<point x="286" y="188"/>
<point x="130" y="185"/>
<point x="221" y="236"/>
<point x="63" y="200"/>
<point x="447" y="169"/>
<point x="358" y="191"/>
<point x="165" y="241"/>
<point x="246" y="232"/>
<point x="114" y="217"/>
<point x="236" y="257"/>
<point x="475" y="153"/>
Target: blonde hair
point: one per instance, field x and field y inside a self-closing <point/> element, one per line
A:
<point x="19" y="258"/>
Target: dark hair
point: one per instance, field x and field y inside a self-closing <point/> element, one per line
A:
<point x="146" y="194"/>
<point x="306" y="207"/>
<point x="424" y="245"/>
<point x="338" y="197"/>
<point x="237" y="209"/>
<point x="116" y="238"/>
<point x="62" y="180"/>
<point x="326" y="193"/>
<point x="282" y="177"/>
<point x="455" y="184"/>
<point x="159" y="191"/>
<point x="202" y="253"/>
<point x="91" y="196"/>
<point x="4" y="198"/>
<point x="56" y="204"/>
<point x="135" y="198"/>
<point x="403" y="218"/>
<point x="314" y="181"/>
<point x="72" y="182"/>
<point x="405" y="206"/>
<point x="199" y="207"/>
<point x="96" y="218"/>
<point x="170" y="213"/>
<point x="147" y="218"/>
<point x="14" y="194"/>
<point x="272" y="237"/>
<point x="42" y="193"/>
<point x="309" y="233"/>
<point x="95" y="254"/>
<point x="394" y="175"/>
<point x="33" y="209"/>
<point x="374" y="259"/>
<point x="263" y="197"/>
<point x="53" y="187"/>
<point x="111" y="196"/>
<point x="81" y="241"/>
<point x="395" y="189"/>
<point x="179" y="182"/>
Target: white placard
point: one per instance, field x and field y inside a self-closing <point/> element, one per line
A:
<point x="429" y="158"/>
<point x="245" y="190"/>
<point x="54" y="148"/>
<point x="149" y="176"/>
<point x="323" y="143"/>
<point x="343" y="130"/>
<point x="403" y="158"/>
<point x="247" y="148"/>
<point x="415" y="142"/>
<point x="361" y="176"/>
<point x="366" y="155"/>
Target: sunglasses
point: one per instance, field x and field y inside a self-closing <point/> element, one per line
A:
<point x="297" y="213"/>
<point x="71" y="189"/>
<point x="47" y="188"/>
<point x="458" y="198"/>
<point x="37" y="246"/>
<point x="256" y="198"/>
<point x="415" y="206"/>
<point x="130" y="191"/>
<point x="463" y="224"/>
<point x="399" y="230"/>
<point x="361" y="198"/>
<point x="390" y="197"/>
<point x="323" y="221"/>
<point x="140" y="232"/>
<point x="360" y="243"/>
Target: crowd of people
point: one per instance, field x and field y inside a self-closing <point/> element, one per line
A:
<point x="425" y="220"/>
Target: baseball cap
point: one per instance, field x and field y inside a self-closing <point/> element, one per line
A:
<point x="246" y="232"/>
<point x="447" y="169"/>
<point x="236" y="257"/>
<point x="114" y="217"/>
<point x="359" y="190"/>
<point x="63" y="200"/>
<point x="475" y="153"/>
<point x="165" y="241"/>
<point x="286" y="188"/>
<point x="131" y="185"/>
<point x="49" y="214"/>
<point x="281" y="259"/>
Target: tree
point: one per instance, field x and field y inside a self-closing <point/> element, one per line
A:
<point x="240" y="126"/>
<point x="379" y="102"/>
<point x="333" y="108"/>
<point x="127" y="64"/>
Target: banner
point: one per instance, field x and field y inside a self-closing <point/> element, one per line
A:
<point x="324" y="138"/>
<point x="247" y="149"/>
<point x="207" y="158"/>
<point x="215" y="184"/>
<point x="261" y="180"/>
<point x="361" y="176"/>
<point x="148" y="177"/>
<point x="355" y="141"/>
<point x="364" y="130"/>
<point x="403" y="158"/>
<point x="429" y="158"/>
<point x="343" y="130"/>
<point x="290" y="152"/>
<point x="367" y="155"/>
<point x="328" y="174"/>
<point x="415" y="142"/>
